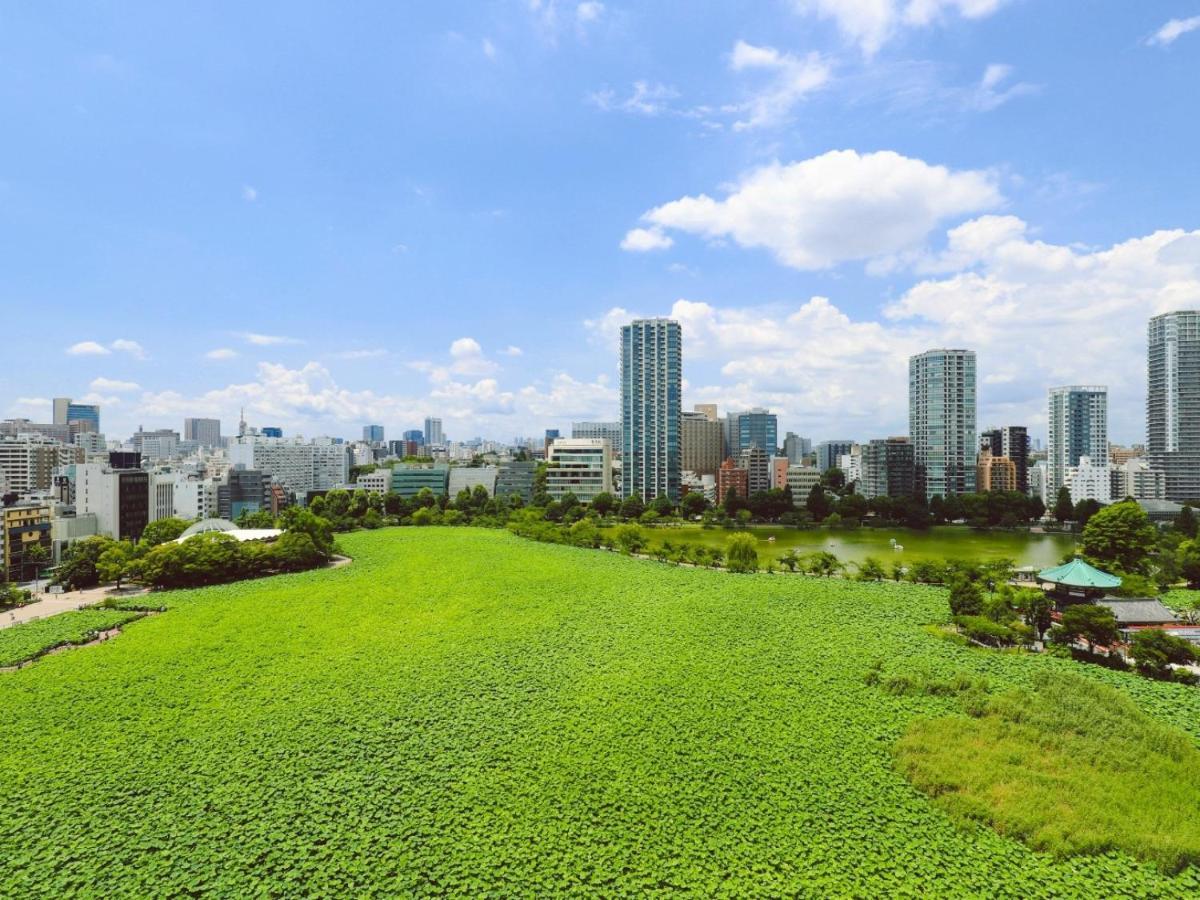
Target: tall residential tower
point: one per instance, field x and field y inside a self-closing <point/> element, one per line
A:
<point x="1077" y="426"/>
<point x="1173" y="402"/>
<point x="941" y="421"/>
<point x="651" y="391"/>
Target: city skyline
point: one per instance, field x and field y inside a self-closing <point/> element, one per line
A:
<point x="351" y="269"/>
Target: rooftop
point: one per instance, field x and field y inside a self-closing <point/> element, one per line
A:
<point x="1077" y="573"/>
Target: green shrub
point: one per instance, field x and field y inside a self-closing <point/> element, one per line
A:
<point x="741" y="551"/>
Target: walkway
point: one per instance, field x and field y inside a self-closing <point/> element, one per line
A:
<point x="53" y="604"/>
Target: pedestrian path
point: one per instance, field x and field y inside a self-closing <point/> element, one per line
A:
<point x="53" y="604"/>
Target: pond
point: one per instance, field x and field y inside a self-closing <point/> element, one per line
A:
<point x="855" y="545"/>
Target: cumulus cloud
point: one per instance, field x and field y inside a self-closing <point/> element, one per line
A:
<point x="872" y="23"/>
<point x="995" y="288"/>
<point x="267" y="340"/>
<point x="88" y="348"/>
<point x="1172" y="31"/>
<point x="133" y="348"/>
<point x="642" y="240"/>
<point x="112" y="384"/>
<point x="512" y="350"/>
<point x="221" y="353"/>
<point x="791" y="79"/>
<point x="832" y="208"/>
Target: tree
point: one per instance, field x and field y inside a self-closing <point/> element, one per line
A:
<point x="114" y="562"/>
<point x="296" y="518"/>
<point x="1121" y="537"/>
<point x="822" y="563"/>
<point x="817" y="503"/>
<point x="834" y="479"/>
<point x="1034" y="607"/>
<point x="294" y="551"/>
<point x="1085" y="509"/>
<point x="966" y="599"/>
<point x="663" y="506"/>
<point x="160" y="531"/>
<point x="1091" y="624"/>
<point x="791" y="559"/>
<point x="1188" y="559"/>
<point x="604" y="503"/>
<point x="1064" y="508"/>
<point x="1154" y="652"/>
<point x="77" y="569"/>
<point x="259" y="518"/>
<point x="871" y="569"/>
<point x="742" y="552"/>
<point x="632" y="507"/>
<point x="1185" y="522"/>
<point x="630" y="538"/>
<point x="36" y="555"/>
<point x="584" y="533"/>
<point x="693" y="503"/>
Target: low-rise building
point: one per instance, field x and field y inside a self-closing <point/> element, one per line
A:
<point x="731" y="477"/>
<point x="120" y="499"/>
<point x="467" y="478"/>
<point x="579" y="466"/>
<point x="377" y="482"/>
<point x="1135" y="478"/>
<point x="515" y="479"/>
<point x="24" y="527"/>
<point x="1088" y="481"/>
<point x="409" y="479"/>
<point x="802" y="479"/>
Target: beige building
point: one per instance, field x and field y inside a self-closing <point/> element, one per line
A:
<point x="995" y="473"/>
<point x="579" y="466"/>
<point x="700" y="443"/>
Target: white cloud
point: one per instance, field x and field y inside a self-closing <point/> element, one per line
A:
<point x="249" y="194"/>
<point x="1173" y="30"/>
<point x="836" y="207"/>
<point x="872" y="23"/>
<point x="792" y="78"/>
<point x="589" y="11"/>
<point x="88" y="348"/>
<point x="641" y="240"/>
<point x="991" y="92"/>
<point x="1036" y="313"/>
<point x="110" y="384"/>
<point x="489" y="49"/>
<point x="512" y="350"/>
<point x="35" y="408"/>
<point x="133" y="348"/>
<point x="267" y="340"/>
<point x="221" y="353"/>
<point x="646" y="99"/>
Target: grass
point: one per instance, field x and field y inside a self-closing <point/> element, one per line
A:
<point x="461" y="712"/>
<point x="28" y="640"/>
<point x="1069" y="767"/>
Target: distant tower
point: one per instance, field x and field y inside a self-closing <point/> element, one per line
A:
<point x="941" y="421"/>
<point x="242" y="423"/>
<point x="651" y="387"/>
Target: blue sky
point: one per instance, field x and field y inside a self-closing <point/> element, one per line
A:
<point x="417" y="209"/>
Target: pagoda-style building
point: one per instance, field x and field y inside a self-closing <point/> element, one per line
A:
<point x="1078" y="582"/>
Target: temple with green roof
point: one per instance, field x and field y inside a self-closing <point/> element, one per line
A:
<point x="1077" y="580"/>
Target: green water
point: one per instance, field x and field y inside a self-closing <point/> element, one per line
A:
<point x="855" y="545"/>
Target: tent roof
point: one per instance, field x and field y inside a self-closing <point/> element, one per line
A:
<point x="1077" y="573"/>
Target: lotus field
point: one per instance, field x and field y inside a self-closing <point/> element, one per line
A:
<point x="463" y="712"/>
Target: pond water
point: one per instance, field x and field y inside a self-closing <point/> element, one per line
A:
<point x="855" y="545"/>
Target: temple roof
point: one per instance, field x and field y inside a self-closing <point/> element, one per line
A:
<point x="1077" y="573"/>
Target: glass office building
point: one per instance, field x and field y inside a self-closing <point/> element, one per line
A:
<point x="651" y="395"/>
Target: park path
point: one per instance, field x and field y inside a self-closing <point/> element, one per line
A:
<point x="53" y="604"/>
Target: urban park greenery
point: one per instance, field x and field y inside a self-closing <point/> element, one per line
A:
<point x="27" y="640"/>
<point x="460" y="712"/>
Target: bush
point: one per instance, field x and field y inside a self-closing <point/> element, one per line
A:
<point x="1155" y="652"/>
<point x="630" y="538"/>
<point x="966" y="599"/>
<point x="986" y="631"/>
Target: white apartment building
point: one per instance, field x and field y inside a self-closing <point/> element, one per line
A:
<point x="1078" y="427"/>
<point x="377" y="482"/>
<point x="580" y="466"/>
<point x="1138" y="480"/>
<point x="300" y="467"/>
<point x="27" y="462"/>
<point x="1089" y="481"/>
